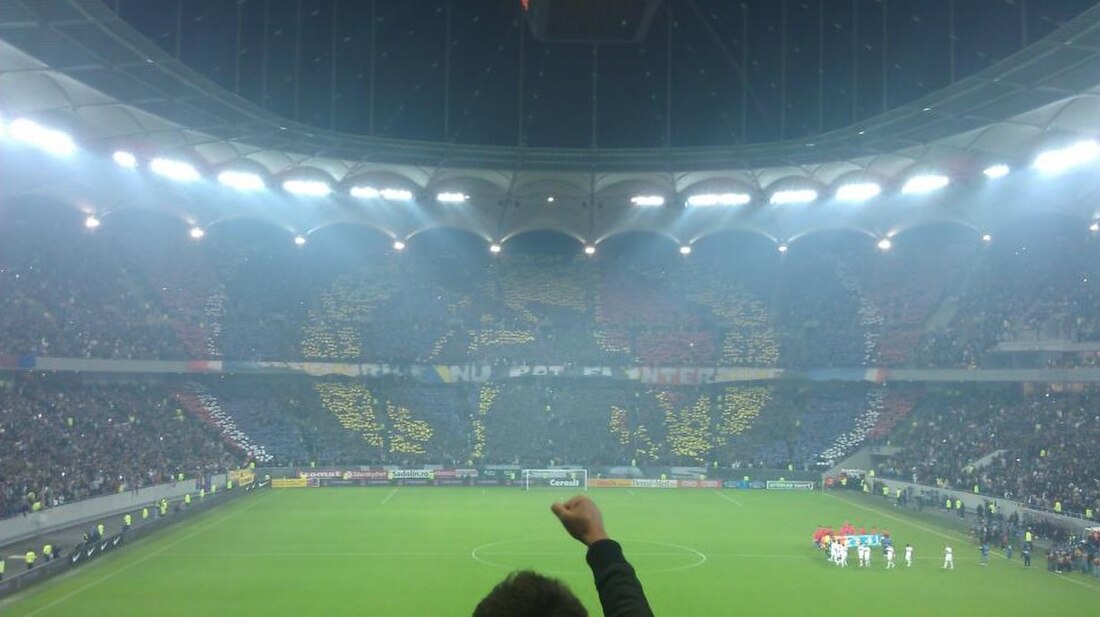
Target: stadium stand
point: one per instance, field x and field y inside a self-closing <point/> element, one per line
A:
<point x="1035" y="446"/>
<point x="64" y="440"/>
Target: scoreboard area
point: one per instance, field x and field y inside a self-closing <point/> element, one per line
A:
<point x="430" y="550"/>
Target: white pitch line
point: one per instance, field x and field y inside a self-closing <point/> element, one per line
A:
<point x="145" y="558"/>
<point x="728" y="498"/>
<point x="392" y="493"/>
<point x="1075" y="582"/>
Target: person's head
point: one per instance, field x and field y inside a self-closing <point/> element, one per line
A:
<point x="530" y="594"/>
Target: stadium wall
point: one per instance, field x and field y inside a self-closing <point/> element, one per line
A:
<point x="19" y="528"/>
<point x="1006" y="506"/>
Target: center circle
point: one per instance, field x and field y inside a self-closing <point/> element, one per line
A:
<point x="557" y="556"/>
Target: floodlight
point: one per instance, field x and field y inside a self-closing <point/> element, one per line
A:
<point x="782" y="248"/>
<point x="398" y="245"/>
<point x="885" y="244"/>
<point x="1095" y="226"/>
<point x="996" y="171"/>
<point x="1055" y="161"/>
<point x="648" y="201"/>
<point x="299" y="240"/>
<point x="179" y="171"/>
<point x="987" y="238"/>
<point x="451" y="198"/>
<point x="52" y="141"/>
<point x="797" y="196"/>
<point x="396" y="195"/>
<point x="124" y="159"/>
<point x="859" y="191"/>
<point x="550" y="199"/>
<point x="197" y="232"/>
<point x="718" y="199"/>
<point x="307" y="188"/>
<point x="925" y="184"/>
<point x="685" y="249"/>
<point x="91" y="222"/>
<point x="494" y="248"/>
<point x="589" y="250"/>
<point x="365" y="192"/>
<point x="242" y="181"/>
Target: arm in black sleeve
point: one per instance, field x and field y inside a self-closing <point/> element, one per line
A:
<point x="621" y="593"/>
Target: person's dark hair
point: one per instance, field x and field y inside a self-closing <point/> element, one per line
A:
<point x="528" y="594"/>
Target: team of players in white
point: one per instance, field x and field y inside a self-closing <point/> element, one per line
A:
<point x="838" y="554"/>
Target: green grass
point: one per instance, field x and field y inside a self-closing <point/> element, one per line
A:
<point x="436" y="551"/>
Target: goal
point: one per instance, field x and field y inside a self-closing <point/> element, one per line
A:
<point x="555" y="478"/>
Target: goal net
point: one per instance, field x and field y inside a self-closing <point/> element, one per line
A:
<point x="555" y="478"/>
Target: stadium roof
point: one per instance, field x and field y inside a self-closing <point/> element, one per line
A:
<point x="75" y="65"/>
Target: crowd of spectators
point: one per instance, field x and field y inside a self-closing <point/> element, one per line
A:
<point x="1037" y="447"/>
<point x="78" y="302"/>
<point x="537" y="422"/>
<point x="141" y="290"/>
<point x="63" y="441"/>
<point x="1035" y="284"/>
<point x="70" y="440"/>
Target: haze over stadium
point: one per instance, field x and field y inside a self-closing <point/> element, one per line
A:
<point x="326" y="304"/>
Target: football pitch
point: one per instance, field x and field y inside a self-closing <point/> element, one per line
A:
<point x="436" y="551"/>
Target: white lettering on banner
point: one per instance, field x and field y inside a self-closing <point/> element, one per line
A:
<point x="600" y="371"/>
<point x="541" y="370"/>
<point x="554" y="482"/>
<point x="411" y="474"/>
<point x="652" y="483"/>
<point x="381" y="370"/>
<point x="320" y="474"/>
<point x="468" y="373"/>
<point x="790" y="485"/>
<point x="672" y="376"/>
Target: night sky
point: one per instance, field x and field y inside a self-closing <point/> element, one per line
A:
<point x="708" y="72"/>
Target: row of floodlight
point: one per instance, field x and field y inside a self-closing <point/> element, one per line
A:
<point x="1050" y="162"/>
<point x="181" y="171"/>
<point x="854" y="192"/>
<point x="61" y="144"/>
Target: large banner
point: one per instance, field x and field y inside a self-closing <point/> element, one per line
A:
<point x="289" y="483"/>
<point x="481" y="373"/>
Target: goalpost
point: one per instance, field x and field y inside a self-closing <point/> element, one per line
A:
<point x="555" y="478"/>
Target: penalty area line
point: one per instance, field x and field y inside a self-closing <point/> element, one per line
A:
<point x="391" y="494"/>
